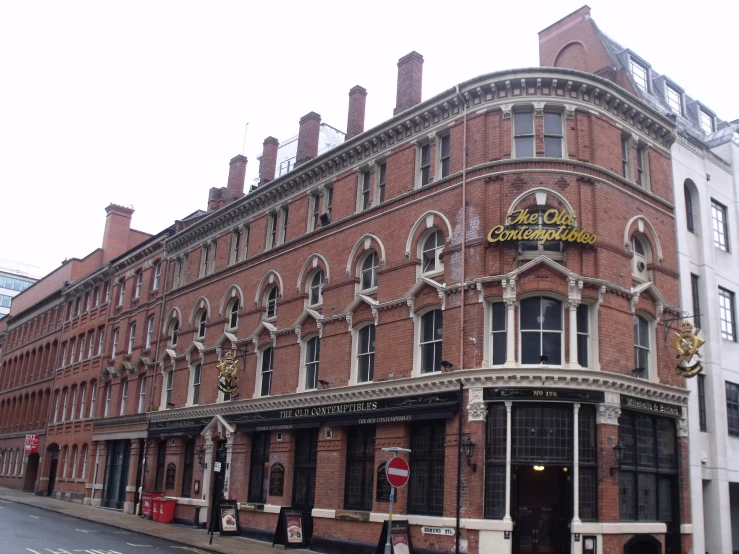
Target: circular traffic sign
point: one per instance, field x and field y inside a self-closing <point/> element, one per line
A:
<point x="397" y="471"/>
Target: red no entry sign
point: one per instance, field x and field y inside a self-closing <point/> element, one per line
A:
<point x="397" y="472"/>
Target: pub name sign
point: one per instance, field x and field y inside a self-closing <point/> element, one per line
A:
<point x="552" y="225"/>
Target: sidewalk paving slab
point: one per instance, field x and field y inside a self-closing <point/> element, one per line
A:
<point x="181" y="534"/>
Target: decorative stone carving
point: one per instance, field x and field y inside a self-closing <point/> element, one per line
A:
<point x="607" y="414"/>
<point x="476" y="408"/>
<point x="569" y="111"/>
<point x="634" y="301"/>
<point x="506" y="111"/>
<point x="682" y="427"/>
<point x="539" y="109"/>
<point x="601" y="294"/>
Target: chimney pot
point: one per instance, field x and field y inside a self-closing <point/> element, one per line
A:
<point x="410" y="78"/>
<point x="117" y="227"/>
<point x="355" y="120"/>
<point x="268" y="163"/>
<point x="236" y="177"/>
<point x="310" y="128"/>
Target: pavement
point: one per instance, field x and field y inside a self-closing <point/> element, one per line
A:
<point x="195" y="539"/>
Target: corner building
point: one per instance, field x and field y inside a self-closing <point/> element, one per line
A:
<point x="480" y="256"/>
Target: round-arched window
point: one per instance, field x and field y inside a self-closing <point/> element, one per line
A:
<point x="316" y="288"/>
<point x="431" y="253"/>
<point x="272" y="301"/>
<point x="368" y="277"/>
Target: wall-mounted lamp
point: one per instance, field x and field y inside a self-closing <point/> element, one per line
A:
<point x="618" y="452"/>
<point x="468" y="448"/>
<point x="201" y="458"/>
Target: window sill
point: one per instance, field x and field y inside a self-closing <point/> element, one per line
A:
<point x="432" y="274"/>
<point x="368" y="291"/>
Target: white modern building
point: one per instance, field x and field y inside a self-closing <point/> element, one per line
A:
<point x="15" y="277"/>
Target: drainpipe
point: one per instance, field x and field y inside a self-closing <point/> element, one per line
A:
<point x="461" y="316"/>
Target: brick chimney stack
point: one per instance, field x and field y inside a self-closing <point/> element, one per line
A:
<point x="236" y="177"/>
<point x="310" y="127"/>
<point x="355" y="120"/>
<point x="117" y="227"/>
<point x="268" y="163"/>
<point x="410" y="76"/>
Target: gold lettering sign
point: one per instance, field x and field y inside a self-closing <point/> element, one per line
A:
<point x="523" y="225"/>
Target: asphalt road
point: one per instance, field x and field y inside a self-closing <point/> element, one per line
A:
<point x="25" y="529"/>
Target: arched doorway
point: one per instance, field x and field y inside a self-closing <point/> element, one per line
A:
<point x="29" y="480"/>
<point x="643" y="544"/>
<point x="54" y="461"/>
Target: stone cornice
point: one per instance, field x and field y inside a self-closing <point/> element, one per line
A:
<point x="87" y="282"/>
<point x="121" y="420"/>
<point x="495" y="91"/>
<point x="135" y="256"/>
<point x="39" y="308"/>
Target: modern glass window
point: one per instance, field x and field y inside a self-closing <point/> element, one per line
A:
<point x="187" y="468"/>
<point x="674" y="99"/>
<point x="641" y="75"/>
<point x="381" y="181"/>
<point x="706" y="121"/>
<point x="233" y="315"/>
<point x="498" y="333"/>
<point x="272" y="301"/>
<point x="720" y="226"/>
<point x="541" y="331"/>
<point x="433" y="246"/>
<point x="727" y="315"/>
<point x="169" y="382"/>
<point x="648" y="472"/>
<point x="131" y="338"/>
<point x="553" y="135"/>
<point x="368" y="276"/>
<point x="122" y="293"/>
<point x="426" y="487"/>
<point x="364" y="191"/>
<point x="139" y="283"/>
<point x="431" y="341"/>
<point x="523" y="129"/>
<point x="641" y="344"/>
<point x="425" y="164"/>
<point x="124" y="397"/>
<point x="366" y="354"/>
<point x="259" y="467"/>
<point x="142" y="394"/>
<point x="445" y="157"/>
<point x="116" y="334"/>
<point x="583" y="335"/>
<point x="360" y="465"/>
<point x="196" y="377"/>
<point x="203" y="317"/>
<point x="732" y="408"/>
<point x="316" y="288"/>
<point x="688" y="209"/>
<point x="267" y="356"/>
<point x="157" y="276"/>
<point x="695" y="292"/>
<point x="312" y="359"/>
<point x="149" y="332"/>
<point x="702" y="420"/>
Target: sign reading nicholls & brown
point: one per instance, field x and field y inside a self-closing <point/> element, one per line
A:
<point x="651" y="406"/>
<point x="552" y="225"/>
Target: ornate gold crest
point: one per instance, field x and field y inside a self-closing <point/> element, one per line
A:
<point x="687" y="344"/>
<point x="228" y="369"/>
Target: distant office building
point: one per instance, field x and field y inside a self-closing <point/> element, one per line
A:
<point x="15" y="277"/>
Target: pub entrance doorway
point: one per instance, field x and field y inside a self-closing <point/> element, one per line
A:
<point x="304" y="480"/>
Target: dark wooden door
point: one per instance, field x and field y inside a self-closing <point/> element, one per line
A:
<point x="304" y="486"/>
<point x="536" y="530"/>
<point x="52" y="471"/>
<point x="218" y="479"/>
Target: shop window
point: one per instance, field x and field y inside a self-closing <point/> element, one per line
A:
<point x="426" y="487"/>
<point x="495" y="461"/>
<point x="583" y="335"/>
<point x="523" y="134"/>
<point x="641" y="344"/>
<point x="553" y="135"/>
<point x="187" y="469"/>
<point x="498" y="341"/>
<point x="315" y="293"/>
<point x="368" y="271"/>
<point x="360" y="463"/>
<point x="366" y="354"/>
<point x="432" y="245"/>
<point x="259" y="467"/>
<point x="431" y="341"/>
<point x="265" y="373"/>
<point x="541" y="331"/>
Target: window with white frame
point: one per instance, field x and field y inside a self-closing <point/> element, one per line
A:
<point x="149" y="332"/>
<point x="707" y="121"/>
<point x="74" y="461"/>
<point x="363" y="193"/>
<point x="366" y="354"/>
<point x="315" y="292"/>
<point x="91" y="341"/>
<point x="583" y="335"/>
<point x="131" y="338"/>
<point x="101" y="341"/>
<point x="96" y="294"/>
<point x="197" y="371"/>
<point x="498" y="341"/>
<point x="312" y="358"/>
<point x="72" y="350"/>
<point x="83" y="401"/>
<point x="431" y="341"/>
<point x="87" y="301"/>
<point x="93" y="399"/>
<point x="272" y="294"/>
<point x="368" y="271"/>
<point x="121" y="292"/>
<point x="284" y="218"/>
<point x="65" y="405"/>
<point x="108" y="392"/>
<point x="272" y="230"/>
<point x="202" y="318"/>
<point x="432" y="246"/>
<point x="204" y="259"/>
<point x="107" y="292"/>
<point x="674" y="99"/>
<point x="329" y="206"/>
<point x="84" y="462"/>
<point x="265" y="372"/>
<point x="642" y="161"/>
<point x="553" y="135"/>
<point x="720" y="226"/>
<point x="73" y="411"/>
<point x="445" y="155"/>
<point x="381" y="179"/>
<point x="529" y="249"/>
<point x="142" y="394"/>
<point x="139" y="284"/>
<point x="641" y="344"/>
<point x="235" y="245"/>
<point x="168" y="384"/>
<point x="523" y="133"/>
<point x="641" y="255"/>
<point x="81" y="353"/>
<point x="641" y="75"/>
<point x="233" y="314"/>
<point x="541" y="330"/>
<point x="425" y="165"/>
<point x="64" y="354"/>
<point x="315" y="211"/>
<point x="124" y="396"/>
<point x="174" y="329"/>
<point x="727" y="316"/>
<point x="157" y="276"/>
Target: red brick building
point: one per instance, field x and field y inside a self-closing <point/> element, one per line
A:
<point x="474" y="272"/>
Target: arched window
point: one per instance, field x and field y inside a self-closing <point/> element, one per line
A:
<point x="432" y="246"/>
<point x="368" y="271"/>
<point x="366" y="354"/>
<point x="541" y="331"/>
<point x="640" y="257"/>
<point x="312" y="357"/>
<point x="174" y="328"/>
<point x="265" y="372"/>
<point x="233" y="314"/>
<point x="641" y="344"/>
<point x="688" y="208"/>
<point x="315" y="292"/>
<point x="431" y="341"/>
<point x="272" y="295"/>
<point x="529" y="249"/>
<point x="201" y="324"/>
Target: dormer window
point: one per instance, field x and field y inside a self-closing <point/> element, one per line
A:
<point x="675" y="99"/>
<point x="641" y="74"/>
<point x="707" y="121"/>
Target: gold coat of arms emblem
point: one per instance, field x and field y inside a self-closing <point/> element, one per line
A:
<point x="687" y="344"/>
<point x="228" y="369"/>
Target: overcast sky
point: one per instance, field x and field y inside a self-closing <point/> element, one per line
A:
<point x="144" y="103"/>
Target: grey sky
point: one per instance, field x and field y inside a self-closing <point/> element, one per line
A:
<point x="144" y="103"/>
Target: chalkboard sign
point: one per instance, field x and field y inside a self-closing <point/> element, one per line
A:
<point x="289" y="530"/>
<point x="276" y="479"/>
<point x="400" y="538"/>
<point x="229" y="515"/>
<point x="383" y="486"/>
<point x="169" y="481"/>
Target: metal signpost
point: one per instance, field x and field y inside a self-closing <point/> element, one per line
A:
<point x="397" y="472"/>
